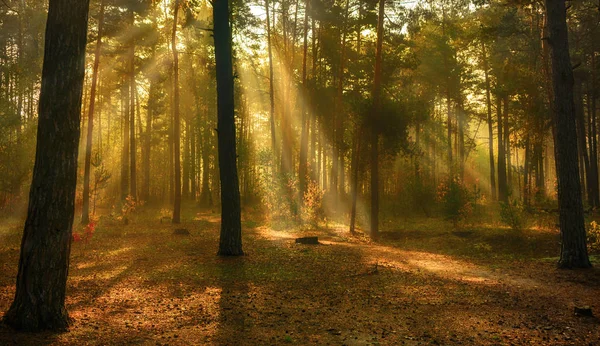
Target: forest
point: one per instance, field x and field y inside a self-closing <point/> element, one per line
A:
<point x="310" y="172"/>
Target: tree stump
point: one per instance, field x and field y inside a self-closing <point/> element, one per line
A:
<point x="583" y="311"/>
<point x="181" y="231"/>
<point x="308" y="240"/>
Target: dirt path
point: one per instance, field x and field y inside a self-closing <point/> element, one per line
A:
<point x="139" y="284"/>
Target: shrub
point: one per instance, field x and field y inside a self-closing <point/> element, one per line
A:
<point x="86" y="233"/>
<point x="313" y="211"/>
<point x="511" y="214"/>
<point x="456" y="199"/>
<point x="593" y="237"/>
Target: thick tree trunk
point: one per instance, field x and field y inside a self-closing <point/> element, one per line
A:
<point x="39" y="302"/>
<point x="572" y="228"/>
<point x="176" y="121"/>
<point x="230" y="243"/>
<point x="85" y="213"/>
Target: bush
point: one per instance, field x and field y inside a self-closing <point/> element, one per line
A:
<point x="279" y="196"/>
<point x="313" y="211"/>
<point x="593" y="237"/>
<point x="456" y="199"/>
<point x="511" y="214"/>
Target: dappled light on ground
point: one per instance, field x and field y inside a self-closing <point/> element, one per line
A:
<point x="161" y="288"/>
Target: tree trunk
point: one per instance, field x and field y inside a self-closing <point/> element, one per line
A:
<point x="148" y="139"/>
<point x="490" y="123"/>
<point x="125" y="96"/>
<point x="507" y="147"/>
<point x="230" y="243"/>
<point x="303" y="161"/>
<point x="572" y="228"/>
<point x="39" y="302"/>
<point x="355" y="164"/>
<point x="132" y="103"/>
<point x="580" y="125"/>
<point x="85" y="214"/>
<point x="502" y="183"/>
<point x="176" y="121"/>
<point x="274" y="148"/>
<point x="375" y="125"/>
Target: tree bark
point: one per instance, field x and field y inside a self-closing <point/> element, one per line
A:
<point x="39" y="302"/>
<point x="230" y="243"/>
<point x="572" y="229"/>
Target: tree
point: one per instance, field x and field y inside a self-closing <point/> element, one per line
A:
<point x="176" y="120"/>
<point x="375" y="125"/>
<point x="85" y="214"/>
<point x="39" y="302"/>
<point x="230" y="243"/>
<point x="573" y="252"/>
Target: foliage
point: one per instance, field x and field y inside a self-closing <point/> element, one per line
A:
<point x="456" y="199"/>
<point x="313" y="210"/>
<point x="512" y="214"/>
<point x="279" y="195"/>
<point x="86" y="233"/>
<point x="593" y="237"/>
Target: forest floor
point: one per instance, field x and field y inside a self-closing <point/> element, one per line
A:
<point x="422" y="284"/>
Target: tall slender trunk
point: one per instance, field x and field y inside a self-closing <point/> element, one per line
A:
<point x="186" y="161"/>
<point x="85" y="214"/>
<point x="340" y="91"/>
<point x="132" y="98"/>
<point x="125" y="97"/>
<point x="375" y="125"/>
<point x="355" y="164"/>
<point x="581" y="140"/>
<point x="490" y="123"/>
<point x="303" y="161"/>
<point x="502" y="184"/>
<point x="507" y="147"/>
<point x="593" y="144"/>
<point x="274" y="148"/>
<point x="148" y="140"/>
<point x="176" y="121"/>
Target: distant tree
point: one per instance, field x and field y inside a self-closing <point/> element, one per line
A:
<point x="85" y="214"/>
<point x="39" y="302"/>
<point x="375" y="125"/>
<point x="231" y="227"/>
<point x="176" y="119"/>
<point x="572" y="228"/>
